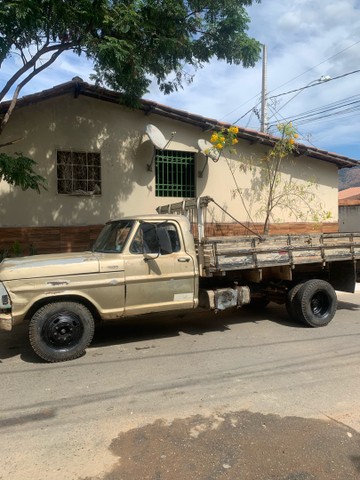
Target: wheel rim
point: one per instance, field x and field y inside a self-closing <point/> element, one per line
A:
<point x="320" y="304"/>
<point x="62" y="330"/>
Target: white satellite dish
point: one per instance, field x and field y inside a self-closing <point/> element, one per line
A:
<point x="156" y="136"/>
<point x="208" y="149"/>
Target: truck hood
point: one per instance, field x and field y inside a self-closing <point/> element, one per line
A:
<point x="48" y="265"/>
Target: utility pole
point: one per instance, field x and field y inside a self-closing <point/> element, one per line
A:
<point x="263" y="119"/>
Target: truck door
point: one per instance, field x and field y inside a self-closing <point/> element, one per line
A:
<point x="159" y="274"/>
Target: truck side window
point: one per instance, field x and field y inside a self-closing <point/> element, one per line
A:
<point x="162" y="239"/>
<point x="168" y="238"/>
<point x="145" y="240"/>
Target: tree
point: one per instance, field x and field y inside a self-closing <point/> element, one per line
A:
<point x="299" y="199"/>
<point x="19" y="171"/>
<point x="270" y="188"/>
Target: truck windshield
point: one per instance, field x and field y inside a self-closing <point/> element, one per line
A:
<point x="113" y="237"/>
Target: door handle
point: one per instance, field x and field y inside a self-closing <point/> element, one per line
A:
<point x="183" y="259"/>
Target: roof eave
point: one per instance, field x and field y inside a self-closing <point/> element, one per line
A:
<point x="78" y="87"/>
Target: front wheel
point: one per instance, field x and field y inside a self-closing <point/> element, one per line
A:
<point x="315" y="303"/>
<point x="61" y="331"/>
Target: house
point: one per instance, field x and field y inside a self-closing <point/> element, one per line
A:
<point x="352" y="193"/>
<point x="102" y="160"/>
<point x="349" y="210"/>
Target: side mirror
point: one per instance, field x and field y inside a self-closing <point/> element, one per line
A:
<point x="151" y="244"/>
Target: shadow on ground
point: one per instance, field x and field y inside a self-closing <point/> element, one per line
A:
<point x="16" y="343"/>
<point x="348" y="306"/>
<point x="150" y="327"/>
<point x="237" y="446"/>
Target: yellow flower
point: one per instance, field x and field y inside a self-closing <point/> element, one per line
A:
<point x="296" y="135"/>
<point x="214" y="138"/>
<point x="234" y="130"/>
<point x="234" y="141"/>
<point x="219" y="146"/>
<point x="291" y="141"/>
<point x="222" y="139"/>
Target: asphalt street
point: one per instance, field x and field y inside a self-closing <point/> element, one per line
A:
<point x="239" y="395"/>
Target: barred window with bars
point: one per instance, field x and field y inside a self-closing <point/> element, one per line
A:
<point x="174" y="173"/>
<point x="79" y="173"/>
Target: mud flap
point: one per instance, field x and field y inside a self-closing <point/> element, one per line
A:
<point x="342" y="276"/>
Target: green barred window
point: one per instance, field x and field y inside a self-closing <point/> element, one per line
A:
<point x="175" y="173"/>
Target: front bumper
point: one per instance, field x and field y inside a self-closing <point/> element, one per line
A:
<point x="6" y="318"/>
<point x="6" y="321"/>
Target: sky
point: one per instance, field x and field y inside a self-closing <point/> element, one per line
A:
<point x="306" y="40"/>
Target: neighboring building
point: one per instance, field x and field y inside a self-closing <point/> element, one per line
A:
<point x="100" y="164"/>
<point x="349" y="210"/>
<point x="352" y="193"/>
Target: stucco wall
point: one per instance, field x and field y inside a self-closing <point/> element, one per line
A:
<point x="128" y="187"/>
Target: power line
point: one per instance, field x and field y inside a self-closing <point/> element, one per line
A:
<point x="342" y="113"/>
<point x="298" y="90"/>
<point x="303" y="119"/>
<point x="311" y="84"/>
<point x="242" y="116"/>
<point x="289" y="81"/>
<point x="354" y="100"/>
<point x="314" y="84"/>
<point x="318" y="65"/>
<point x="237" y="108"/>
<point x="340" y="108"/>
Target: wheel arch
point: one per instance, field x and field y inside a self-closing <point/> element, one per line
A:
<point x="67" y="298"/>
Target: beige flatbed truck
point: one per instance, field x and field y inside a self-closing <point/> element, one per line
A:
<point x="152" y="264"/>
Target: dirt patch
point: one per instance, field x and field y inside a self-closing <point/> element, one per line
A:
<point x="237" y="446"/>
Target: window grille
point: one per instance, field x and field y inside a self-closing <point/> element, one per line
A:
<point x="79" y="173"/>
<point x="174" y="173"/>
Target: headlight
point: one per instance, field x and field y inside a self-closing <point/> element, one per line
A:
<point x="4" y="298"/>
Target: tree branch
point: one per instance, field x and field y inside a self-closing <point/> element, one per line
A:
<point x="11" y="142"/>
<point x="31" y="63"/>
<point x="24" y="82"/>
<point x="198" y="10"/>
<point x="239" y="192"/>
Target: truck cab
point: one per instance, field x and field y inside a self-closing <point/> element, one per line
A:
<point x="137" y="265"/>
<point x="156" y="261"/>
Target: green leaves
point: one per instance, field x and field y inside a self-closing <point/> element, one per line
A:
<point x="19" y="171"/>
<point x="131" y="41"/>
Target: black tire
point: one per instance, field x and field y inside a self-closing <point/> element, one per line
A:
<point x="315" y="303"/>
<point x="290" y="301"/>
<point x="61" y="331"/>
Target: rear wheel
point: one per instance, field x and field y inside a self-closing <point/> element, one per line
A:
<point x="315" y="303"/>
<point x="290" y="301"/>
<point x="61" y="331"/>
